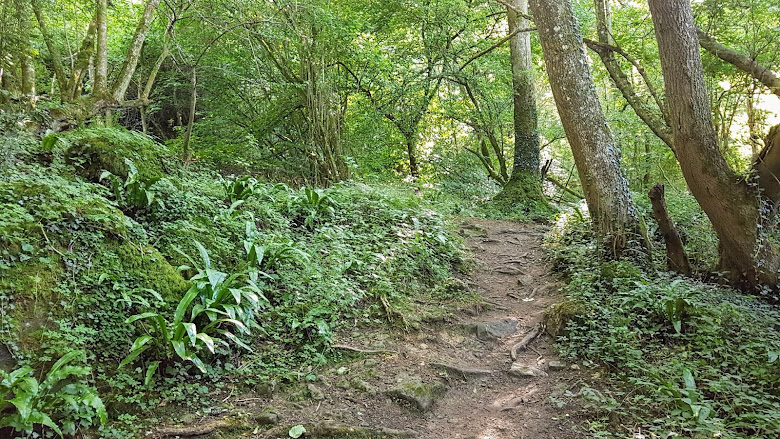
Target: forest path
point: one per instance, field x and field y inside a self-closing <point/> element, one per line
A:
<point x="450" y="378"/>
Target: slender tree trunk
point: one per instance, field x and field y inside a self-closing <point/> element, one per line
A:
<point x="597" y="156"/>
<point x="51" y="46"/>
<point x="676" y="257"/>
<point x="733" y="207"/>
<point x="100" y="89"/>
<point x="82" y="64"/>
<point x="134" y="51"/>
<point x="526" y="153"/>
<point x="411" y="151"/>
<point x="524" y="185"/>
<point x="606" y="50"/>
<point x="191" y="120"/>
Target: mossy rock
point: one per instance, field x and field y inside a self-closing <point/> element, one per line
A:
<point x="420" y="395"/>
<point x="559" y="315"/>
<point x="98" y="149"/>
<point x="143" y="267"/>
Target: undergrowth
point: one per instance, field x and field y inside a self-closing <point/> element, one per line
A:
<point x="80" y="254"/>
<point x="681" y="358"/>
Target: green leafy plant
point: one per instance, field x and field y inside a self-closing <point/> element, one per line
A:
<point x="239" y="189"/>
<point x="133" y="192"/>
<point x="214" y="302"/>
<point x="268" y="256"/>
<point x="315" y="204"/>
<point x="690" y="402"/>
<point x="62" y="398"/>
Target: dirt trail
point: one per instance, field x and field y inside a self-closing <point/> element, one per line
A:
<point x="458" y="370"/>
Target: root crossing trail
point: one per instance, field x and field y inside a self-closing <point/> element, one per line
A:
<point x="454" y="378"/>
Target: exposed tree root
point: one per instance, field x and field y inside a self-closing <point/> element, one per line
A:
<point x="192" y="430"/>
<point x="334" y="429"/>
<point x="344" y="347"/>
<point x="523" y="344"/>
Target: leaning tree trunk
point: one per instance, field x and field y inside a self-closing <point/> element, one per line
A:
<point x="525" y="181"/>
<point x="731" y="205"/>
<point x="676" y="256"/>
<point x="597" y="156"/>
<point x="134" y="51"/>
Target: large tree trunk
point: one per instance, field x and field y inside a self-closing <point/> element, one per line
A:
<point x="733" y="208"/>
<point x="525" y="182"/>
<point x="100" y="89"/>
<point x="614" y="215"/>
<point x="134" y="51"/>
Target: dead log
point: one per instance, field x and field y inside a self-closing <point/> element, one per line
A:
<point x="676" y="257"/>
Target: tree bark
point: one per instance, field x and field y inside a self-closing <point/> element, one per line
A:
<point x="81" y="65"/>
<point x="767" y="167"/>
<point x="676" y="257"/>
<point x="100" y="89"/>
<point x="134" y="51"/>
<point x="613" y="213"/>
<point x="732" y="207"/>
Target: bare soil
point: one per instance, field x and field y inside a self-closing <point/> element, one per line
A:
<point x="479" y="399"/>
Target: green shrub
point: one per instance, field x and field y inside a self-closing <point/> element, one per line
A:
<point x="684" y="357"/>
<point x="57" y="402"/>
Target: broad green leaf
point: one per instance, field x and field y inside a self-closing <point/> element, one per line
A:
<point x="688" y="379"/>
<point x="297" y="431"/>
<point x="150" y="370"/>
<point x="192" y="331"/>
<point x="208" y="341"/>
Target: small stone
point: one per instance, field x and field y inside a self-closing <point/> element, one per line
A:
<point x="316" y="394"/>
<point x="268" y="416"/>
<point x="522" y="370"/>
<point x="556" y="365"/>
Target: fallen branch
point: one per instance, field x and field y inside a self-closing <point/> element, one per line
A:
<point x="523" y="344"/>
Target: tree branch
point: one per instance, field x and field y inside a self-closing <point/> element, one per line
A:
<point x="741" y="61"/>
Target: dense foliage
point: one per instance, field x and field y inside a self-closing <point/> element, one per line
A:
<point x="266" y="273"/>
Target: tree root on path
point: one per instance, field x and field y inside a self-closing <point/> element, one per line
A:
<point x="464" y="370"/>
<point x="334" y="429"/>
<point x="192" y="430"/>
<point x="344" y="347"/>
<point x="523" y="344"/>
